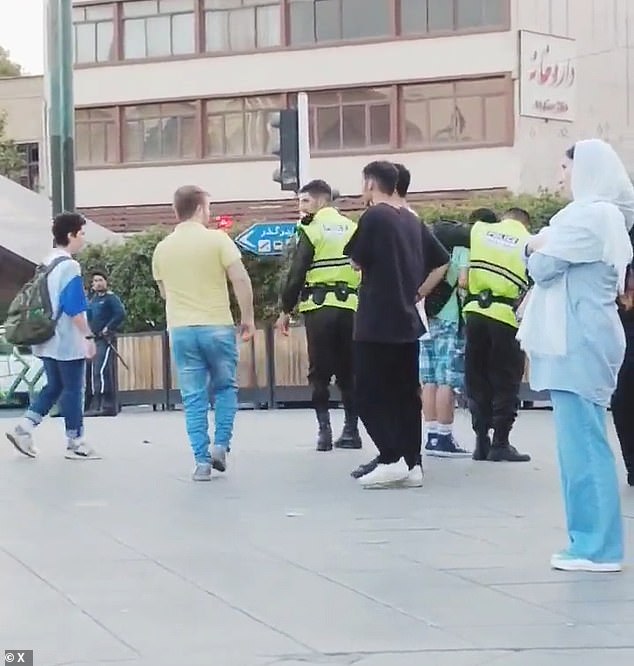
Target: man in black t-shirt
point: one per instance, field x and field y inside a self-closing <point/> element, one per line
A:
<point x="395" y="254"/>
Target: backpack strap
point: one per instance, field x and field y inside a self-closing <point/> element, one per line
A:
<point x="47" y="270"/>
<point x="54" y="264"/>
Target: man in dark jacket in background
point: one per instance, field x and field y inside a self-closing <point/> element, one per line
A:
<point x="623" y="397"/>
<point x="105" y="316"/>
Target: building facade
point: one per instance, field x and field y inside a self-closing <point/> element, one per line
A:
<point x="470" y="94"/>
<point x="21" y="99"/>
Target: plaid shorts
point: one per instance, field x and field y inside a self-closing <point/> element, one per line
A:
<point x="442" y="355"/>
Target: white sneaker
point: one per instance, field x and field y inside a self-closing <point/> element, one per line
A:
<point x="23" y="442"/>
<point x="386" y="476"/>
<point x="414" y="478"/>
<point x="81" y="451"/>
<point x="566" y="563"/>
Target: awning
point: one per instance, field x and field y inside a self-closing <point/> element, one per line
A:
<point x="25" y="223"/>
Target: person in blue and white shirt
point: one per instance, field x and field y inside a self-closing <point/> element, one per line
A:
<point x="64" y="355"/>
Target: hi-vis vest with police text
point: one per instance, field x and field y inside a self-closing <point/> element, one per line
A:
<point x="329" y="233"/>
<point x="496" y="264"/>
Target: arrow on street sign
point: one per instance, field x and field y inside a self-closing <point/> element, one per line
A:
<point x="267" y="239"/>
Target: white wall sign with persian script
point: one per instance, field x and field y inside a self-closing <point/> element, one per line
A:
<point x="548" y="76"/>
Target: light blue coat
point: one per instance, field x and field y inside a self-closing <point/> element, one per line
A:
<point x="594" y="333"/>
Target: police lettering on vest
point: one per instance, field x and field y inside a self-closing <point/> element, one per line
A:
<point x="331" y="280"/>
<point x="497" y="273"/>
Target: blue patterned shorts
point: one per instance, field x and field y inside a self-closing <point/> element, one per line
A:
<point x="442" y="355"/>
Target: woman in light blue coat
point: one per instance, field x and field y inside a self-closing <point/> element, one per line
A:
<point x="575" y="342"/>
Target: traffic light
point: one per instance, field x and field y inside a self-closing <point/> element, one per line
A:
<point x="287" y="149"/>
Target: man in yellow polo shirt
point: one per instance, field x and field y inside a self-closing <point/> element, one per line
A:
<point x="191" y="267"/>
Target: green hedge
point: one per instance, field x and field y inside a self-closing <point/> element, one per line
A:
<point x="129" y="265"/>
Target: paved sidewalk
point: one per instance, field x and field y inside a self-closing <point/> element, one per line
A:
<point x="287" y="562"/>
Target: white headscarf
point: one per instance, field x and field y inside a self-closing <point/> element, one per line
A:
<point x="594" y="227"/>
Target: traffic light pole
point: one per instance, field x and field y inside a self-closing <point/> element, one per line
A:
<point x="61" y="104"/>
<point x="67" y="103"/>
<point x="54" y="120"/>
<point x="303" y="134"/>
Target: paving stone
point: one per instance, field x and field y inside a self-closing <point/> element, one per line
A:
<point x="287" y="561"/>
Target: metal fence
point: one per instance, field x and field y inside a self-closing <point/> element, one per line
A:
<point x="272" y="371"/>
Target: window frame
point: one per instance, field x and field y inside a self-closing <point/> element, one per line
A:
<point x="31" y="174"/>
<point x="368" y="147"/>
<point x="244" y="111"/>
<point x="95" y="38"/>
<point x="170" y="16"/>
<point x="392" y="33"/>
<point x="116" y="158"/>
<point x="200" y="32"/>
<point x="161" y="117"/>
<point x="244" y="5"/>
<point x="506" y="94"/>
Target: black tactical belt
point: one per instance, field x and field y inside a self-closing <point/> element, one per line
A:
<point x="485" y="299"/>
<point x="318" y="292"/>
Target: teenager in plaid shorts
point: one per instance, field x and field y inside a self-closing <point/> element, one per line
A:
<point x="442" y="365"/>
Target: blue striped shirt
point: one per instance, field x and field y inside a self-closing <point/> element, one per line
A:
<point x="68" y="298"/>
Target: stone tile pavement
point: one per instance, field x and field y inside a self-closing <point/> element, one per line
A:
<point x="287" y="562"/>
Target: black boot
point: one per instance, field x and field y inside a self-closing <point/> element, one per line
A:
<point x="95" y="407"/>
<point x="350" y="437"/>
<point x="482" y="447"/>
<point x="107" y="407"/>
<point x="502" y="451"/>
<point x="324" y="439"/>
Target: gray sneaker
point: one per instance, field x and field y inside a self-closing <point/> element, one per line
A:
<point x="81" y="451"/>
<point x="23" y="442"/>
<point x="202" y="472"/>
<point x="219" y="458"/>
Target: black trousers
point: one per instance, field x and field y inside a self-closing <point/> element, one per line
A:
<point x="329" y="338"/>
<point x="100" y="373"/>
<point x="387" y="392"/>
<point x="623" y="405"/>
<point x="494" y="366"/>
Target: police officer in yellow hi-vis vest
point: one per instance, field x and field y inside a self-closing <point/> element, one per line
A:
<point x="326" y="286"/>
<point x="494" y="362"/>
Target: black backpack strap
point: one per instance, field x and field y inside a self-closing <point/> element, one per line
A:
<point x="47" y="270"/>
<point x="54" y="264"/>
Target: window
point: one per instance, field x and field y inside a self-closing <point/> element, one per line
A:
<point x="335" y="20"/>
<point x="96" y="136"/>
<point x="418" y="116"/>
<point x="30" y="176"/>
<point x="241" y="126"/>
<point x="350" y="119"/>
<point x="169" y="28"/>
<point x="156" y="132"/>
<point x="94" y="34"/>
<point x="242" y="25"/>
<point x="472" y="112"/>
<point x="157" y="28"/>
<point x="428" y="16"/>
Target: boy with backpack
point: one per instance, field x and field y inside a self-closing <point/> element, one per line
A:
<point x="442" y="348"/>
<point x="49" y="314"/>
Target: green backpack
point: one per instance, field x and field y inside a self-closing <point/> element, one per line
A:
<point x="30" y="320"/>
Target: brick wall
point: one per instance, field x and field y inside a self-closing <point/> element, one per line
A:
<point x="127" y="219"/>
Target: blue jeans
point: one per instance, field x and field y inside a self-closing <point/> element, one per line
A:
<point x="589" y="480"/>
<point x="206" y="359"/>
<point x="64" y="382"/>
